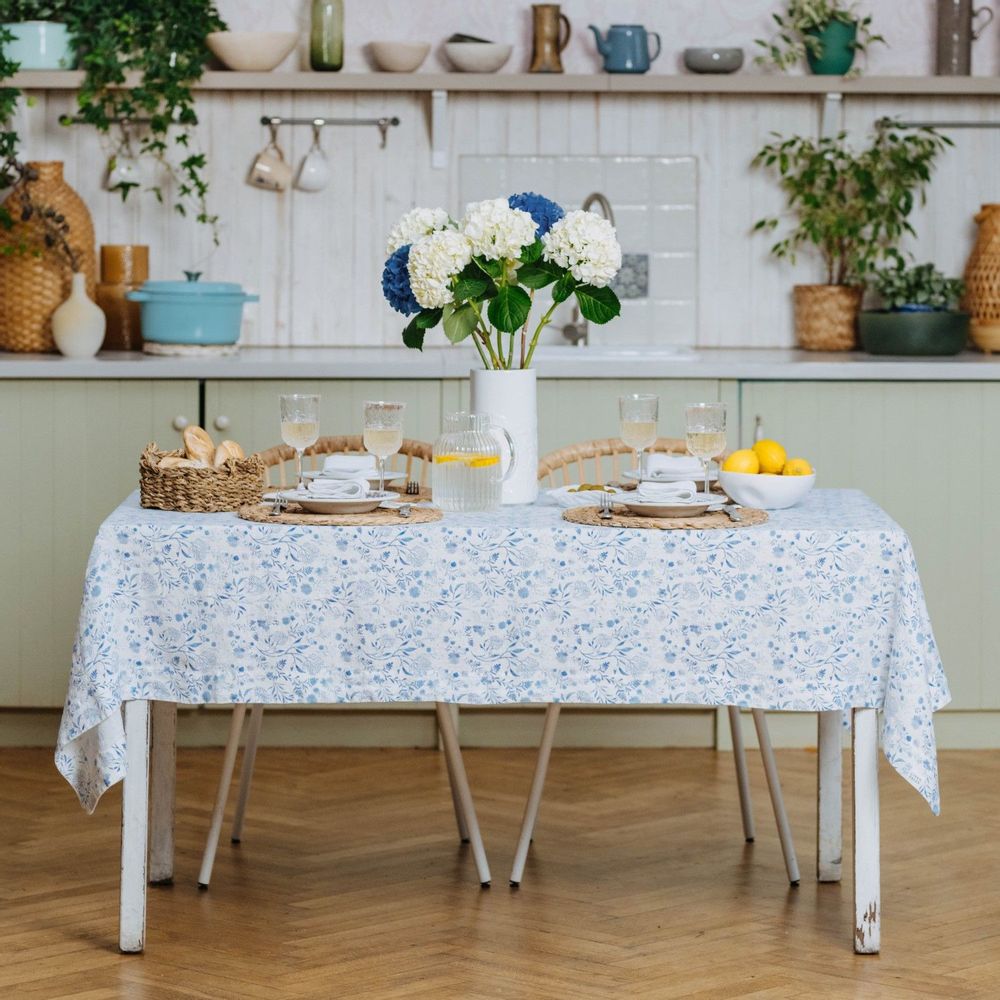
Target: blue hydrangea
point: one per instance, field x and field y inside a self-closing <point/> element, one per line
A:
<point x="396" y="283"/>
<point x="545" y="212"/>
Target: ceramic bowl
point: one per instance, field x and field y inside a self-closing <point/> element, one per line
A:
<point x="477" y="57"/>
<point x="251" y="51"/>
<point x="399" y="57"/>
<point x="766" y="492"/>
<point x="713" y="60"/>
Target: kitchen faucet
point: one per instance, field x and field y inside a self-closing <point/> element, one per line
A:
<point x="577" y="330"/>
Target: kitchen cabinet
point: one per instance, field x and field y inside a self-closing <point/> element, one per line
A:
<point x="70" y="450"/>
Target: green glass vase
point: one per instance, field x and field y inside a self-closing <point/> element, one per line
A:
<point x="326" y="36"/>
<point x="836" y="48"/>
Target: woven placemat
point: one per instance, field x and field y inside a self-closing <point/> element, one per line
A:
<point x="294" y="514"/>
<point x="704" y="522"/>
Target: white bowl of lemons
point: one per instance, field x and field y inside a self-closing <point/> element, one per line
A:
<point x="764" y="476"/>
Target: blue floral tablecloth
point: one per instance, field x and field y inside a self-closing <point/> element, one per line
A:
<point x="821" y="608"/>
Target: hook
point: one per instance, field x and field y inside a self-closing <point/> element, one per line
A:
<point x="272" y="126"/>
<point x="383" y="127"/>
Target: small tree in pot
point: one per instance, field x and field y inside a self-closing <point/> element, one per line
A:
<point x="853" y="209"/>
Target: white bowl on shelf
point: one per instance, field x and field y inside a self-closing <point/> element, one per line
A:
<point x="478" y="57"/>
<point x="399" y="57"/>
<point x="766" y="492"/>
<point x="251" y="51"/>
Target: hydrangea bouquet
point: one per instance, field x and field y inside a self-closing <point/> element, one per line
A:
<point x="477" y="277"/>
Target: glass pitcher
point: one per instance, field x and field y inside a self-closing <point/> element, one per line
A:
<point x="468" y="472"/>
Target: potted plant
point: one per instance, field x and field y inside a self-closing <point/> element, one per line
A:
<point x="919" y="312"/>
<point x="38" y="37"/>
<point x="852" y="208"/>
<point x="828" y="33"/>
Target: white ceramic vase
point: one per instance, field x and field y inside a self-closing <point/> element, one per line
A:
<point x="78" y="324"/>
<point x="511" y="398"/>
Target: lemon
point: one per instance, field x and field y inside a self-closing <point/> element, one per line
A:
<point x="797" y="467"/>
<point x="771" y="455"/>
<point x="744" y="460"/>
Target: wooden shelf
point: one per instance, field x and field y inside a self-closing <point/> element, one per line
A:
<point x="739" y="84"/>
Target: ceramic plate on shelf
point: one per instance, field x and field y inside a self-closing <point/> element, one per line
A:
<point x="334" y="505"/>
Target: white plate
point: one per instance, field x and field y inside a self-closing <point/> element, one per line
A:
<point x="645" y="508"/>
<point x="334" y="505"/>
<point x="390" y="477"/>
<point x="669" y="477"/>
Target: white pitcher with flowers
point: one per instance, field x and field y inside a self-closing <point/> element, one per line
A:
<point x="477" y="278"/>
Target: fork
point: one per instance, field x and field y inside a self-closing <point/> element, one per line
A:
<point x="412" y="488"/>
<point x="605" y="513"/>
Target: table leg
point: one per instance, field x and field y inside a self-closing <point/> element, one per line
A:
<point x="163" y="760"/>
<point x="829" y="793"/>
<point x="867" y="900"/>
<point x="135" y="806"/>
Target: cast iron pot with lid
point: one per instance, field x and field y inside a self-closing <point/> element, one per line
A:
<point x="192" y="313"/>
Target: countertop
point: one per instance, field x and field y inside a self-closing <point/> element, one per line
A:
<point x="560" y="362"/>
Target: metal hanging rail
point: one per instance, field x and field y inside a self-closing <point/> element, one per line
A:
<point x="972" y="123"/>
<point x="318" y="122"/>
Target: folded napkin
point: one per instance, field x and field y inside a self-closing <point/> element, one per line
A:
<point x="672" y="466"/>
<point x="349" y="466"/>
<point x="562" y="497"/>
<point x="339" y="489"/>
<point x="672" y="493"/>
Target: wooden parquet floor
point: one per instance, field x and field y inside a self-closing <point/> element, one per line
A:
<point x="350" y="883"/>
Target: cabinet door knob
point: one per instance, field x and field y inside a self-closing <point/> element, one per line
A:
<point x="180" y="423"/>
<point x="221" y="423"/>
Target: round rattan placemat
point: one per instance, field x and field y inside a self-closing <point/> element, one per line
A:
<point x="704" y="522"/>
<point x="294" y="514"/>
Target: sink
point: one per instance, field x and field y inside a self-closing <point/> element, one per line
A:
<point x="556" y="352"/>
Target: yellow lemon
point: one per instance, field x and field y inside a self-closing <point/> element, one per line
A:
<point x="771" y="455"/>
<point x="743" y="460"/>
<point x="797" y="467"/>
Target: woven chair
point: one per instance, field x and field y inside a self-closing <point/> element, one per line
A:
<point x="414" y="459"/>
<point x="599" y="462"/>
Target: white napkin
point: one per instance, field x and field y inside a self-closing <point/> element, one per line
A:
<point x="349" y="466"/>
<point x="672" y="466"/>
<point x="562" y="497"/>
<point x="671" y="493"/>
<point x="339" y="489"/>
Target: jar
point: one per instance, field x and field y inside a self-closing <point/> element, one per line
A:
<point x="467" y="470"/>
<point x="326" y="35"/>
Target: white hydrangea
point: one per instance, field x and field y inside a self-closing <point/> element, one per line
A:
<point x="415" y="225"/>
<point x="586" y="245"/>
<point x="497" y="231"/>
<point x="433" y="262"/>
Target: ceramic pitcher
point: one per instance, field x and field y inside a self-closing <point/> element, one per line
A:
<point x="549" y="39"/>
<point x="625" y="48"/>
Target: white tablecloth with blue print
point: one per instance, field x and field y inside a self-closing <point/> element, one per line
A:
<point x="821" y="608"/>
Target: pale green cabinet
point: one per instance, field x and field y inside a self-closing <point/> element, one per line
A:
<point x="71" y="454"/>
<point x="925" y="451"/>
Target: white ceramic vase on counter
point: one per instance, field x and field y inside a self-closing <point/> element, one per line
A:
<point x="78" y="324"/>
<point x="511" y="398"/>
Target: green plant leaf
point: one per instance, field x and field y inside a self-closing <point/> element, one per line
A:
<point x="472" y="283"/>
<point x="539" y="274"/>
<point x="599" y="305"/>
<point x="459" y="322"/>
<point x="427" y="319"/>
<point x="532" y="252"/>
<point x="509" y="311"/>
<point x="564" y="287"/>
<point x="413" y="335"/>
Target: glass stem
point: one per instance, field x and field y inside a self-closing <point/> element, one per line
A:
<point x="638" y="462"/>
<point x="704" y="462"/>
<point x="298" y="468"/>
<point x="381" y="475"/>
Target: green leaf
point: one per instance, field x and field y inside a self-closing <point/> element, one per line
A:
<point x="459" y="322"/>
<point x="494" y="268"/>
<point x="532" y="252"/>
<point x="472" y="283"/>
<point x="599" y="305"/>
<point x="413" y="335"/>
<point x="564" y="287"/>
<point x="538" y="275"/>
<point x="509" y="310"/>
<point x="427" y="319"/>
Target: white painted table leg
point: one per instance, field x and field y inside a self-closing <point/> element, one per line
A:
<point x="246" y="769"/>
<point x="163" y="763"/>
<point x="535" y="795"/>
<point x="829" y="794"/>
<point x="742" y="777"/>
<point x="135" y="829"/>
<point x="777" y="800"/>
<point x="867" y="894"/>
<point x="451" y="747"/>
<point x="225" y="779"/>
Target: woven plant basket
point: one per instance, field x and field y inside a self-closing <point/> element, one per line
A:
<point x="826" y="316"/>
<point x="982" y="281"/>
<point x="33" y="287"/>
<point x="226" y="487"/>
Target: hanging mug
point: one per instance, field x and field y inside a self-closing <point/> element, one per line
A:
<point x="270" y="169"/>
<point x="314" y="171"/>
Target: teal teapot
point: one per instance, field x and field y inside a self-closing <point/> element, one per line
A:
<point x="625" y="48"/>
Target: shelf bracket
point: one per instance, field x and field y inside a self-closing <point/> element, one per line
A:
<point x="439" y="129"/>
<point x="831" y="115"/>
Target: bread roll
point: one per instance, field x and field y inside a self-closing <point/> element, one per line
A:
<point x="226" y="451"/>
<point x="199" y="445"/>
<point x="176" y="462"/>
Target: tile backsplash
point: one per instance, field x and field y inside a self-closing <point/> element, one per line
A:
<point x="655" y="205"/>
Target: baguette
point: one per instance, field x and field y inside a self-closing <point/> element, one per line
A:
<point x="198" y="445"/>
<point x="226" y="451"/>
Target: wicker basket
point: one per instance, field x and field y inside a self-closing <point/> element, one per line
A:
<point x="826" y="316"/>
<point x="226" y="487"/>
<point x="982" y="281"/>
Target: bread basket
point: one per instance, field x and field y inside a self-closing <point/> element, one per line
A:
<point x="224" y="487"/>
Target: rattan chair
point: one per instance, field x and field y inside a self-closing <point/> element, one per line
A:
<point x="414" y="459"/>
<point x="600" y="462"/>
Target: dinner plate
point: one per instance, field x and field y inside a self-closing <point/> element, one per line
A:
<point x="650" y="509"/>
<point x="668" y="477"/>
<point x="390" y="477"/>
<point x="337" y="505"/>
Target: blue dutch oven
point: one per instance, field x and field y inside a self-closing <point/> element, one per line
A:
<point x="204" y="313"/>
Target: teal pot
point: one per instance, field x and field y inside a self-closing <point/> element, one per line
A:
<point x="837" y="40"/>
<point x="191" y="313"/>
<point x="40" y="45"/>
<point x="913" y="333"/>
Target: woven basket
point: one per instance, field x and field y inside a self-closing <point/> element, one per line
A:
<point x="32" y="288"/>
<point x="226" y="487"/>
<point x="826" y="316"/>
<point x="982" y="281"/>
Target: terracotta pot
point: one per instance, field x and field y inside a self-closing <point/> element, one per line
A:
<point x="982" y="281"/>
<point x="826" y="316"/>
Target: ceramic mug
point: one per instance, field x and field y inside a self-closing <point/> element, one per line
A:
<point x="270" y="169"/>
<point x="124" y="172"/>
<point x="314" y="171"/>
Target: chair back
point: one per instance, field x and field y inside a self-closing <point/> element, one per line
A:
<point x="596" y="461"/>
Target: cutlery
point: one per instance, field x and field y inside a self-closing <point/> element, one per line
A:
<point x="605" y="512"/>
<point x="412" y="488"/>
<point x="404" y="509"/>
<point x="733" y="511"/>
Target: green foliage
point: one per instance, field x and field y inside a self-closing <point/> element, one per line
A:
<point x="413" y="335"/>
<point x="509" y="310"/>
<point x="17" y="11"/>
<point x="459" y="322"/>
<point x="598" y="305"/>
<point x="794" y="32"/>
<point x="852" y="207"/>
<point x="919" y="285"/>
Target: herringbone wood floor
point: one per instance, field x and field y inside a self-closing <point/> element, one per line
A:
<point x="350" y="883"/>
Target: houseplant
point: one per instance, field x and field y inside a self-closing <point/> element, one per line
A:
<point x="477" y="278"/>
<point x="852" y="208"/>
<point x="828" y="33"/>
<point x="918" y="313"/>
<point x="39" y="37"/>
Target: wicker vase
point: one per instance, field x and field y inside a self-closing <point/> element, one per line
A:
<point x="982" y="281"/>
<point x="826" y="316"/>
<point x="33" y="287"/>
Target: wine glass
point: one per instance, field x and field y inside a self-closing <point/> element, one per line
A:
<point x="706" y="432"/>
<point x="638" y="413"/>
<point x="299" y="426"/>
<point x="383" y="432"/>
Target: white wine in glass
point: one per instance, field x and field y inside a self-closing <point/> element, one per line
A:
<point x="638" y="414"/>
<point x="706" y="433"/>
<point x="383" y="442"/>
<point x="299" y="426"/>
<point x="383" y="432"/>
